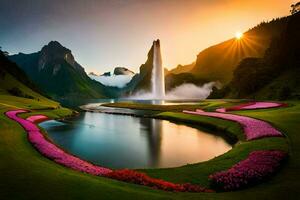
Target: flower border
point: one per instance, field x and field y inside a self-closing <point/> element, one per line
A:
<point x="256" y="167"/>
<point x="253" y="128"/>
<point x="252" y="106"/>
<point x="53" y="152"/>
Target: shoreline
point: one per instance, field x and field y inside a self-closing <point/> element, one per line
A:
<point x="53" y="152"/>
<point x="132" y="176"/>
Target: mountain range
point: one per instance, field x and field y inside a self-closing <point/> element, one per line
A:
<point x="276" y="75"/>
<point x="56" y="72"/>
<point x="218" y="62"/>
<point x="119" y="78"/>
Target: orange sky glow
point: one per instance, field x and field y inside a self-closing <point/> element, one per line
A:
<point x="201" y="26"/>
<point x="105" y="34"/>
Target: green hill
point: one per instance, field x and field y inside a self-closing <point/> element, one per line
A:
<point x="17" y="90"/>
<point x="218" y="62"/>
<point x="274" y="76"/>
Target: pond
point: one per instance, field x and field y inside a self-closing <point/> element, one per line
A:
<point x="119" y="141"/>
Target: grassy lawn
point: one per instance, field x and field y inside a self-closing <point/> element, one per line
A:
<point x="25" y="174"/>
<point x="239" y="152"/>
<point x="207" y="105"/>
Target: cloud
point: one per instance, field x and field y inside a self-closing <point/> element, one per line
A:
<point x="115" y="80"/>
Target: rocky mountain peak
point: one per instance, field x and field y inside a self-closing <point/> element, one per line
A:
<point x="122" y="71"/>
<point x="54" y="48"/>
<point x="54" y="52"/>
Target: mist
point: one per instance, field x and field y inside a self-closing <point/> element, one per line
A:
<point x="182" y="92"/>
<point x="190" y="91"/>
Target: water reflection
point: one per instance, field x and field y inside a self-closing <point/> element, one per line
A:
<point x="119" y="141"/>
<point x="153" y="139"/>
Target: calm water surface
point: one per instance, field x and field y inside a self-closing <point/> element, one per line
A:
<point x="120" y="141"/>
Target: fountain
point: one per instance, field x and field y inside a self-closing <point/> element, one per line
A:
<point x="158" y="76"/>
<point x="156" y="94"/>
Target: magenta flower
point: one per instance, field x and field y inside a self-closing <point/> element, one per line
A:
<point x="251" y="106"/>
<point x="131" y="176"/>
<point x="37" y="118"/>
<point x="258" y="166"/>
<point x="50" y="150"/>
<point x="253" y="128"/>
<point x="56" y="154"/>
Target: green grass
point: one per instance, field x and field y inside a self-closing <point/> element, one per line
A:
<point x="206" y="105"/>
<point x="25" y="174"/>
<point x="223" y="162"/>
<point x="198" y="173"/>
<point x="140" y="106"/>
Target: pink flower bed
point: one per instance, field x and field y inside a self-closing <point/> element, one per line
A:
<point x="51" y="151"/>
<point x="251" y="106"/>
<point x="135" y="177"/>
<point x="221" y="110"/>
<point x="56" y="154"/>
<point x="233" y="108"/>
<point x="37" y="118"/>
<point x="27" y="125"/>
<point x="258" y="105"/>
<point x="258" y="166"/>
<point x="253" y="128"/>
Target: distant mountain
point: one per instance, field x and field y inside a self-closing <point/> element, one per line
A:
<point x="274" y="76"/>
<point x="122" y="71"/>
<point x="117" y="71"/>
<point x="182" y="68"/>
<point x="106" y="74"/>
<point x="118" y="81"/>
<point x="93" y="74"/>
<point x="218" y="62"/>
<point x="56" y="72"/>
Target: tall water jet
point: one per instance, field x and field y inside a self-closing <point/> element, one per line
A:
<point x="158" y="76"/>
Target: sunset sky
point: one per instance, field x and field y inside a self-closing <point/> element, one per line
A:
<point x="103" y="34"/>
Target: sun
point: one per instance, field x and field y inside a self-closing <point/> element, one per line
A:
<point x="238" y="35"/>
